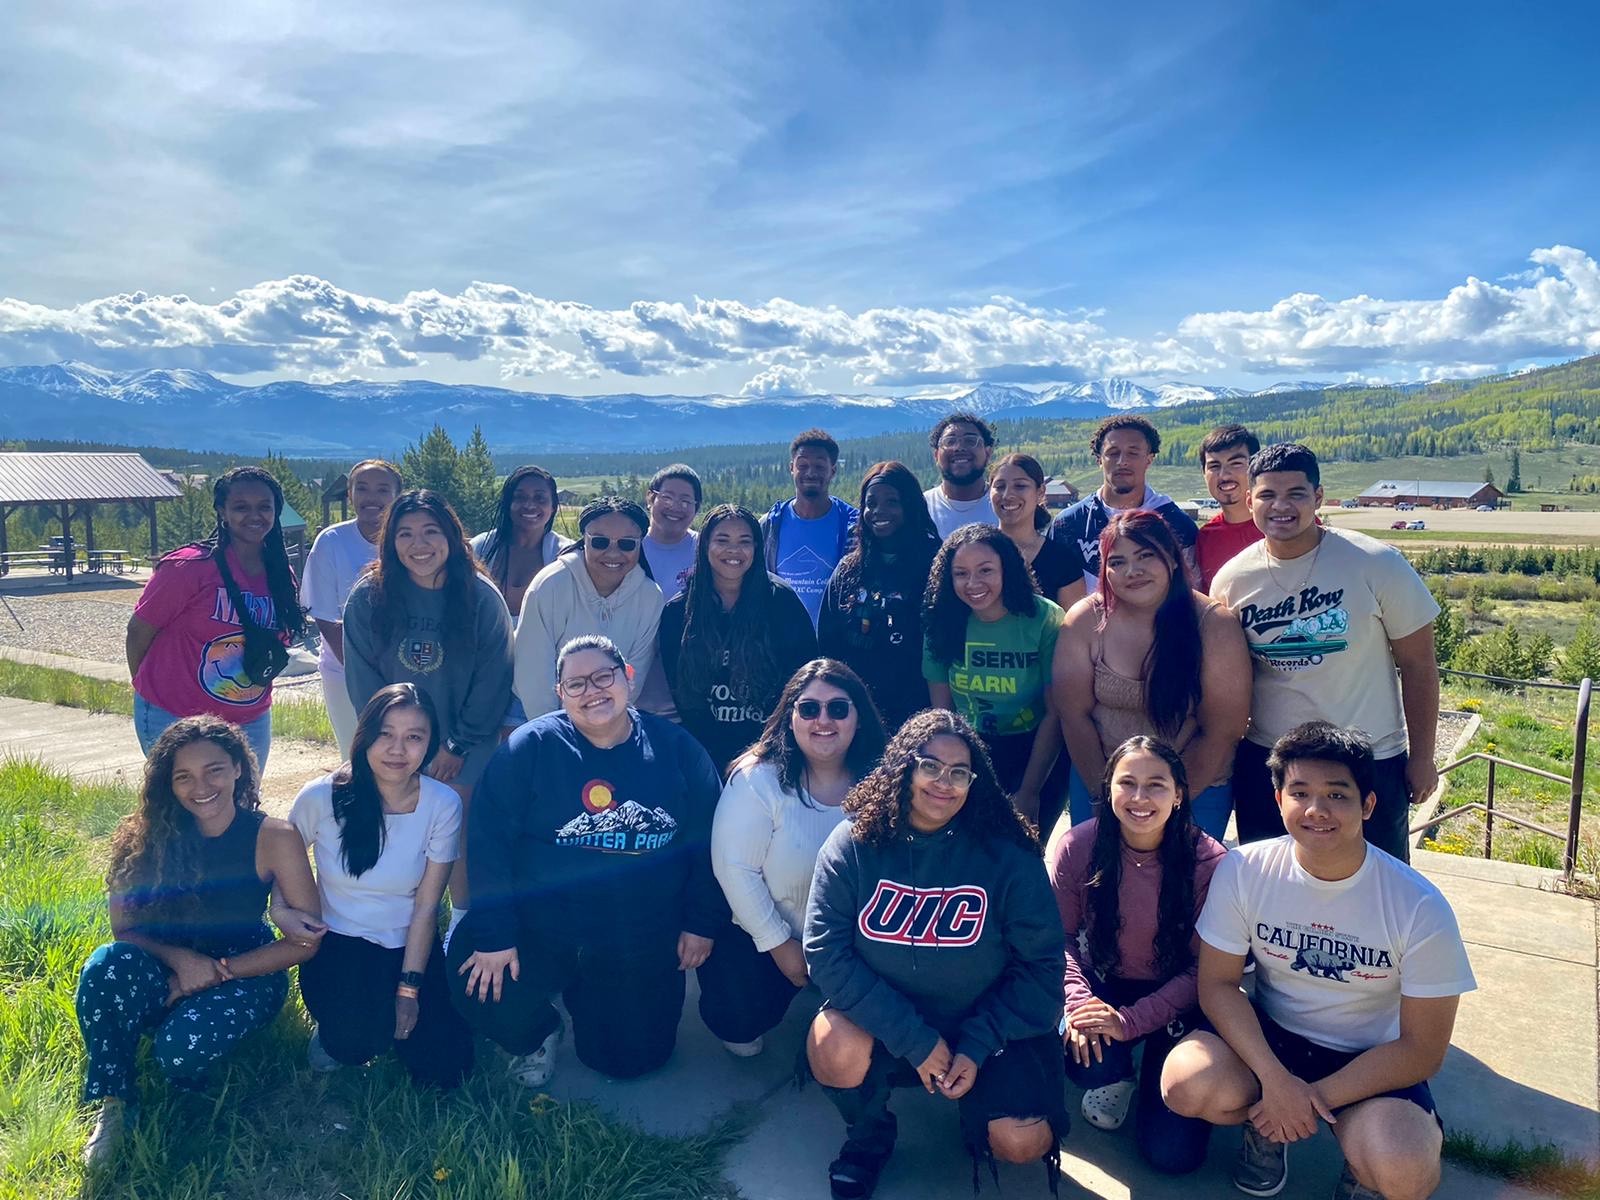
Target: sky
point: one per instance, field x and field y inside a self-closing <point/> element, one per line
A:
<point x="791" y="197"/>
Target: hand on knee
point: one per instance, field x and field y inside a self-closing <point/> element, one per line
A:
<point x="1020" y="1140"/>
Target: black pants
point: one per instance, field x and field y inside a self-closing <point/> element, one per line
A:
<point x="742" y="992"/>
<point x="348" y="988"/>
<point x="1255" y="807"/>
<point x="625" y="1010"/>
<point x="1009" y="753"/>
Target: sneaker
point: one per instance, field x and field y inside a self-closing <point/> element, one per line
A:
<point x="110" y="1124"/>
<point x="450" y="929"/>
<point x="1349" y="1189"/>
<point x="746" y="1049"/>
<point x="1262" y="1167"/>
<point x="534" y="1070"/>
<point x="1107" y="1107"/>
<point x="317" y="1058"/>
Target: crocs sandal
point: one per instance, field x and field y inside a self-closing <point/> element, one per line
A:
<point x="1107" y="1107"/>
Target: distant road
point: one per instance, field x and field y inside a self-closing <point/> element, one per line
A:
<point x="1577" y="525"/>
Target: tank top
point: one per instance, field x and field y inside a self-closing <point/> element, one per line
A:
<point x="223" y="914"/>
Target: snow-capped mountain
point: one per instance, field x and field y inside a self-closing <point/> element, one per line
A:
<point x="1170" y="395"/>
<point x="627" y="817"/>
<point x="1293" y="385"/>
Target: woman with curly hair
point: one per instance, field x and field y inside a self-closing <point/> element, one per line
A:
<point x="781" y="802"/>
<point x="199" y="638"/>
<point x="871" y="616"/>
<point x="193" y="964"/>
<point x="1130" y="884"/>
<point x="601" y="585"/>
<point x="732" y="637"/>
<point x="990" y="638"/>
<point x="931" y="935"/>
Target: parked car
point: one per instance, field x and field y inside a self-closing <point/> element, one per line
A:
<point x="1417" y="525"/>
<point x="1400" y="524"/>
<point x="1348" y="504"/>
<point x="1404" y="507"/>
<point x="1485" y="508"/>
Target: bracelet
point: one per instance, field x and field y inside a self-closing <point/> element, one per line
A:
<point x="406" y="991"/>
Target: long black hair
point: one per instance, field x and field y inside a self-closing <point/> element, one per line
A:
<point x="917" y="533"/>
<point x="460" y="568"/>
<point x="1175" y="909"/>
<point x="1172" y="667"/>
<point x="742" y="638"/>
<point x="357" y="803"/>
<point x="497" y="546"/>
<point x="945" y="614"/>
<point x="777" y="745"/>
<point x="1029" y="466"/>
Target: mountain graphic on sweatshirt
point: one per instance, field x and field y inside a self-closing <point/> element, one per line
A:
<point x="629" y="827"/>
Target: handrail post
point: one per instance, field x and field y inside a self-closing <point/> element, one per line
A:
<point x="1580" y="747"/>
<point x="1488" y="815"/>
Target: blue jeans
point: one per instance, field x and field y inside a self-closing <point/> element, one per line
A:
<point x="1209" y="810"/>
<point x="151" y="721"/>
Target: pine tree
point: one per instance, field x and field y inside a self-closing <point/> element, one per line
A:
<point x="187" y="519"/>
<point x="431" y="463"/>
<point x="477" y="492"/>
<point x="299" y="494"/>
<point x="1581" y="660"/>
<point x="1488" y="475"/>
<point x="1449" y="629"/>
<point x="1514" y="480"/>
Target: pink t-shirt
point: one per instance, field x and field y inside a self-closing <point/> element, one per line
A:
<point x="195" y="665"/>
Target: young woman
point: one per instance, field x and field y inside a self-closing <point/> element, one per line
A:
<point x="591" y="870"/>
<point x="732" y="637"/>
<point x="783" y="799"/>
<point x="522" y="543"/>
<point x="384" y="836"/>
<point x="1016" y="489"/>
<point x="1146" y="654"/>
<point x="931" y="935"/>
<point x="1130" y="884"/>
<point x="193" y="964"/>
<point x="871" y="617"/>
<point x="188" y="646"/>
<point x="989" y="642"/>
<point x="602" y="586"/>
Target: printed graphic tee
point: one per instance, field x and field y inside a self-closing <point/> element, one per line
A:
<point x="336" y="561"/>
<point x="1334" y="958"/>
<point x="950" y="515"/>
<point x="999" y="682"/>
<point x="671" y="565"/>
<point x="196" y="663"/>
<point x="808" y="550"/>
<point x="1319" y="628"/>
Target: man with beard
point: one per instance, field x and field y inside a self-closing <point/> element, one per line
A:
<point x="1124" y="445"/>
<point x="962" y="443"/>
<point x="807" y="536"/>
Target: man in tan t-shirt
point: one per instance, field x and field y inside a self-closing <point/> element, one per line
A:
<point x="1329" y="615"/>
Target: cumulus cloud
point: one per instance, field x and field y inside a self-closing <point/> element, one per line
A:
<point x="779" y="380"/>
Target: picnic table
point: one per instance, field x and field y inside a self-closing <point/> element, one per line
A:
<point x="54" y="559"/>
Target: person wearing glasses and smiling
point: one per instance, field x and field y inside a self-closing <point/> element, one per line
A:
<point x="932" y="933"/>
<point x="962" y="444"/>
<point x="780" y="804"/>
<point x="602" y="585"/>
<point x="590" y="841"/>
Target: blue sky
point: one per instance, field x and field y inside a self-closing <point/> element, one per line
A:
<point x="723" y="196"/>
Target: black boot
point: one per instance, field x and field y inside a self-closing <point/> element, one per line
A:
<point x="870" y="1130"/>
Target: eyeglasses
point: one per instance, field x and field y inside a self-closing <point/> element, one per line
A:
<point x="599" y="541"/>
<point x="961" y="441"/>
<point x="932" y="770"/>
<point x="578" y="685"/>
<point x="809" y="710"/>
<point x="676" y="501"/>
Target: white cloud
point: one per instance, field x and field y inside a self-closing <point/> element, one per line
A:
<point x="779" y="380"/>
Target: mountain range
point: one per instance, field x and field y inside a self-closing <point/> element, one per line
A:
<point x="72" y="400"/>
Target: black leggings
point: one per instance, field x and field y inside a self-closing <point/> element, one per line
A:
<point x="348" y="988"/>
<point x="625" y="1010"/>
<point x="742" y="992"/>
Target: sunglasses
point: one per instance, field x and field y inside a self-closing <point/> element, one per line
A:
<point x="810" y="710"/>
<point x="599" y="680"/>
<point x="599" y="541"/>
<point x="959" y="775"/>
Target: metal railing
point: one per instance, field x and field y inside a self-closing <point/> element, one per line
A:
<point x="1580" y="735"/>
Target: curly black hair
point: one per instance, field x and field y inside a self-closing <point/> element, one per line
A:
<point x="1125" y="420"/>
<point x="945" y="614"/>
<point x="880" y="804"/>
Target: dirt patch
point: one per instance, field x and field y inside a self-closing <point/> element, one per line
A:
<point x="290" y="766"/>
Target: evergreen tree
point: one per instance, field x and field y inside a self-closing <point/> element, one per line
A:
<point x="477" y="491"/>
<point x="1581" y="660"/>
<point x="1514" y="480"/>
<point x="300" y="495"/>
<point x="187" y="519"/>
<point x="431" y="463"/>
<point x="1488" y="475"/>
<point x="1449" y="628"/>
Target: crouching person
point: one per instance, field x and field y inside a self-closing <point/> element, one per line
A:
<point x="1359" y="969"/>
<point x="590" y="842"/>
<point x="932" y="935"/>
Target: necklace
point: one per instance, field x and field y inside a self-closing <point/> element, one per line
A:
<point x="1311" y="567"/>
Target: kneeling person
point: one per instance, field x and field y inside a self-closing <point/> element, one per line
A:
<point x="590" y="836"/>
<point x="1359" y="969"/>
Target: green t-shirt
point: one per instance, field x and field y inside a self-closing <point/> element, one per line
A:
<point x="999" y="683"/>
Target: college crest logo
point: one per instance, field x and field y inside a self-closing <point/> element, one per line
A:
<point x="421" y="655"/>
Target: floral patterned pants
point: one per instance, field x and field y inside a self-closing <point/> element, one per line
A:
<point x="122" y="994"/>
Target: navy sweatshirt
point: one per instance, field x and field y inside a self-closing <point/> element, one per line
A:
<point x="608" y="849"/>
<point x="936" y="935"/>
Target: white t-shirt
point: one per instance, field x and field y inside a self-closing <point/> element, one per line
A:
<point x="1319" y="628"/>
<point x="1333" y="959"/>
<point x="764" y="843"/>
<point x="671" y="565"/>
<point x="338" y="557"/>
<point x="377" y="904"/>
<point x="950" y="515"/>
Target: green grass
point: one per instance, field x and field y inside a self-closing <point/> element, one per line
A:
<point x="266" y="1127"/>
<point x="1544" y="1167"/>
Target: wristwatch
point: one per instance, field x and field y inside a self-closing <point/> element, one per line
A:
<point x="411" y="979"/>
<point x="457" y="747"/>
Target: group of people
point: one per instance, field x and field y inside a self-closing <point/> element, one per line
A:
<point x="817" y="747"/>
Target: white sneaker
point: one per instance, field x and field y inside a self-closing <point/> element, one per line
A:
<point x="746" y="1049"/>
<point x="535" y="1070"/>
<point x="317" y="1058"/>
<point x="1107" y="1107"/>
<point x="110" y="1124"/>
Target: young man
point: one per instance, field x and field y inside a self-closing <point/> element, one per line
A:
<point x="1225" y="458"/>
<point x="669" y="546"/>
<point x="1329" y="615"/>
<point x="962" y="444"/>
<point x="1359" y="969"/>
<point x="807" y="535"/>
<point x="338" y="556"/>
<point x="1124" y="445"/>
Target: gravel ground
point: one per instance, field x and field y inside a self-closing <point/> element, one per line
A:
<point x="82" y="626"/>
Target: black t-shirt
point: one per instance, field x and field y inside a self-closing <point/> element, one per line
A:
<point x="1054" y="568"/>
